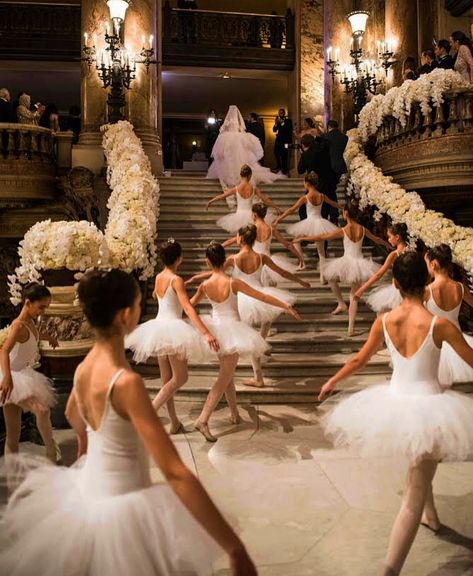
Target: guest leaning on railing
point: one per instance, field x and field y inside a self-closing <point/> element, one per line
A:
<point x="24" y="114"/>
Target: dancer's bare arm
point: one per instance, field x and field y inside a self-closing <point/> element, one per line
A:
<point x="77" y="423"/>
<point x="240" y="286"/>
<point x="198" y="295"/>
<point x="302" y="200"/>
<point x="356" y="362"/>
<point x="267" y="200"/>
<point x="131" y="399"/>
<point x="378" y="240"/>
<point x="445" y="331"/>
<point x="379" y="274"/>
<point x="331" y="202"/>
<point x="467" y="296"/>
<point x="288" y="245"/>
<point x="204" y="275"/>
<point x="226" y="194"/>
<point x="321" y="237"/>
<point x="270" y="264"/>
<point x="16" y="333"/>
<point x="230" y="242"/>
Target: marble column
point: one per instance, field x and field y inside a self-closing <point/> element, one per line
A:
<point x="88" y="152"/>
<point x="401" y="27"/>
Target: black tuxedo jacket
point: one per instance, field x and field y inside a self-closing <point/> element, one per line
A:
<point x="337" y="143"/>
<point x="6" y="111"/>
<point x="283" y="132"/>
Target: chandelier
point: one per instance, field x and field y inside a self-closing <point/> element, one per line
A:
<point x="115" y="65"/>
<point x="362" y="76"/>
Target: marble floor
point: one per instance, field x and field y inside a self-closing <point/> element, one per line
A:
<point x="304" y="509"/>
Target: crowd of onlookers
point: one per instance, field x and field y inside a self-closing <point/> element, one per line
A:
<point x="22" y="111"/>
<point x="454" y="54"/>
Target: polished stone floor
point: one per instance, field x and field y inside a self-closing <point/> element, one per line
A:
<point x="305" y="509"/>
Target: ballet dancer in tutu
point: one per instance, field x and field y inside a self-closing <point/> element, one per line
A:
<point x="351" y="268"/>
<point x="245" y="193"/>
<point x="235" y="337"/>
<point x="444" y="298"/>
<point x="412" y="416"/>
<point x="168" y="337"/>
<point x="387" y="296"/>
<point x="104" y="516"/>
<point x="264" y="236"/>
<point x="23" y="389"/>
<point x="314" y="224"/>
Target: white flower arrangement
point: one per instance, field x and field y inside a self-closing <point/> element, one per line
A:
<point x="53" y="245"/>
<point x="134" y="203"/>
<point x="373" y="188"/>
<point x="428" y="91"/>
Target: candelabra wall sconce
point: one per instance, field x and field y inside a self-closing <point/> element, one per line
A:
<point x="362" y="76"/>
<point x="115" y="65"/>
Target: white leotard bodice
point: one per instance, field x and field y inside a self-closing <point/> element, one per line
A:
<point x="169" y="305"/>
<point x="419" y="373"/>
<point x="226" y="310"/>
<point x="253" y="279"/>
<point x="351" y="248"/>
<point x="116" y="462"/>
<point x="314" y="211"/>
<point x="244" y="204"/>
<point x="451" y="315"/>
<point x="263" y="247"/>
<point x="24" y="354"/>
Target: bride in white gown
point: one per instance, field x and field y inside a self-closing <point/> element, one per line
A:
<point x="235" y="147"/>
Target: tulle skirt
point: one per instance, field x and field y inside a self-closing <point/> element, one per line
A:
<point x="234" y="221"/>
<point x="53" y="527"/>
<point x="384" y="298"/>
<point x="350" y="270"/>
<point x="381" y="422"/>
<point x="163" y="337"/>
<point x="311" y="227"/>
<point x="270" y="277"/>
<point x="453" y="368"/>
<point x="254" y="311"/>
<point x="28" y="384"/>
<point x="236" y="337"/>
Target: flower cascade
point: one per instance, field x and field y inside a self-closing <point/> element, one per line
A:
<point x="427" y="91"/>
<point x="372" y="187"/>
<point x="134" y="203"/>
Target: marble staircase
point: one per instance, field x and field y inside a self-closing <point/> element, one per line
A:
<point x="304" y="354"/>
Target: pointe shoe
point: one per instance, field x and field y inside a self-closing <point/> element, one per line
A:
<point x="300" y="267"/>
<point x="340" y="310"/>
<point x="204" y="430"/>
<point x="178" y="430"/>
<point x="254" y="383"/>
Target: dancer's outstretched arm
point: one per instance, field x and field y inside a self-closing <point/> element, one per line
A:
<point x="379" y="274"/>
<point x="331" y="202"/>
<point x="288" y="245"/>
<point x="267" y="200"/>
<point x="77" y="423"/>
<point x="230" y="241"/>
<point x="240" y="286"/>
<point x="203" y="275"/>
<point x="378" y="240"/>
<point x="229" y="192"/>
<point x="131" y="399"/>
<point x="270" y="264"/>
<point x="302" y="200"/>
<point x="371" y="346"/>
<point x="321" y="237"/>
<point x="445" y="331"/>
<point x="467" y="296"/>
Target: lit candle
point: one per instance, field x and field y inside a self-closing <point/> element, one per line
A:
<point x="107" y="29"/>
<point x="86" y="38"/>
<point x="95" y="40"/>
<point x="143" y="40"/>
<point x="103" y="57"/>
<point x="337" y="54"/>
<point x="351" y="44"/>
<point x="329" y="53"/>
<point x="151" y="37"/>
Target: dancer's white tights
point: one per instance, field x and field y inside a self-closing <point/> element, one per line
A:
<point x="352" y="309"/>
<point x="417" y="496"/>
<point x="173" y="375"/>
<point x="223" y="385"/>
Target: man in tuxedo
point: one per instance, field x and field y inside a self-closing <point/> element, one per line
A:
<point x="428" y="62"/>
<point x="6" y="108"/>
<point x="283" y="130"/>
<point x="255" y="126"/>
<point x="337" y="143"/>
<point x="442" y="53"/>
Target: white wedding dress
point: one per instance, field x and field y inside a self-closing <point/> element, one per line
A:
<point x="235" y="147"/>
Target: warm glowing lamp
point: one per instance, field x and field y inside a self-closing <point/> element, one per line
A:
<point x="358" y="21"/>
<point x="117" y="9"/>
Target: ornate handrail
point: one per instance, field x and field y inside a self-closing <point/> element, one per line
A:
<point x="26" y="142"/>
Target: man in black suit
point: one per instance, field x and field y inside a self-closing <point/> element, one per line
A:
<point x="337" y="143"/>
<point x="6" y="109"/>
<point x="283" y="129"/>
<point x="255" y="126"/>
<point x="428" y="62"/>
<point x="442" y="53"/>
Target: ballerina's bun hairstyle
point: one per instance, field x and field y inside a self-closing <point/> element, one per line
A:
<point x="33" y="291"/>
<point x="215" y="254"/>
<point x="260" y="210"/>
<point x="169" y="252"/>
<point x="399" y="229"/>
<point x="102" y="294"/>
<point x="246" y="172"/>
<point x="247" y="234"/>
<point x="311" y="179"/>
<point x="410" y="272"/>
<point x="443" y="254"/>
<point x="351" y="209"/>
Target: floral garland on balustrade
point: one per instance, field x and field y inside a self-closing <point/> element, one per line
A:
<point x="372" y="187"/>
<point x="129" y="242"/>
<point x="134" y="203"/>
<point x="427" y="91"/>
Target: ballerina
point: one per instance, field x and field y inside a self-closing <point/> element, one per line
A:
<point x="235" y="147"/>
<point x="264" y="235"/>
<point x="314" y="224"/>
<point x="168" y="337"/>
<point x="104" y="515"/>
<point x="413" y="416"/>
<point x="22" y="388"/>
<point x="387" y="296"/>
<point x="444" y="298"/>
<point x="235" y="337"/>
<point x="245" y="193"/>
<point x="351" y="268"/>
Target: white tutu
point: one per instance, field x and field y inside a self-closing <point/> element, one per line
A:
<point x="29" y="384"/>
<point x="270" y="277"/>
<point x="235" y="336"/>
<point x="311" y="227"/>
<point x="52" y="527"/>
<point x="350" y="270"/>
<point x="453" y="368"/>
<point x="380" y="422"/>
<point x="163" y="337"/>
<point x="385" y="298"/>
<point x="254" y="311"/>
<point x="234" y="221"/>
